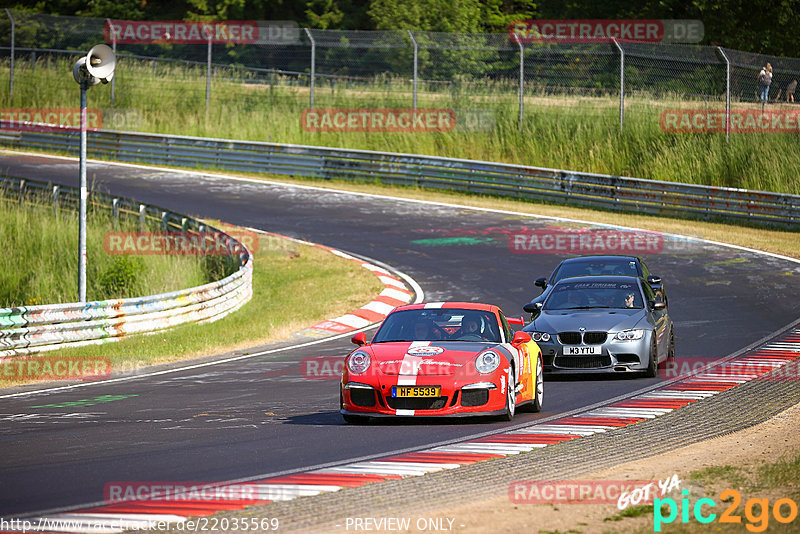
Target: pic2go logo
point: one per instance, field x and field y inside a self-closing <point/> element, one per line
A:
<point x="756" y="511"/>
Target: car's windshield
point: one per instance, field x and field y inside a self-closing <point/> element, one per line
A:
<point x="432" y="324"/>
<point x="610" y="266"/>
<point x="569" y="295"/>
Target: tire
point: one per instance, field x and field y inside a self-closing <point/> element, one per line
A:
<point x="652" y="366"/>
<point x="671" y="353"/>
<point x="511" y="400"/>
<point x="536" y="405"/>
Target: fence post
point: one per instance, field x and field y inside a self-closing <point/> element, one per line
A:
<point x="11" y="71"/>
<point x="114" y="48"/>
<point x="208" y="77"/>
<point x="55" y="200"/>
<point x="142" y="216"/>
<point x="313" y="63"/>
<point x="416" y="48"/>
<point x="621" y="84"/>
<point x="727" y="93"/>
<point x="521" y="77"/>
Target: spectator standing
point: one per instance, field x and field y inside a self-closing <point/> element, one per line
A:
<point x="764" y="81"/>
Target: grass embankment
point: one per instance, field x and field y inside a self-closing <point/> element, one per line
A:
<point x="294" y="286"/>
<point x="576" y="132"/>
<point x="40" y="265"/>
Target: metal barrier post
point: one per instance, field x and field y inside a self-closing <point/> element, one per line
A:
<point x="727" y="93"/>
<point x="416" y="48"/>
<point x="521" y="77"/>
<point x="13" y="38"/>
<point x="621" y="84"/>
<point x="208" y="77"/>
<point x="114" y="48"/>
<point x="313" y="64"/>
<point x="142" y="216"/>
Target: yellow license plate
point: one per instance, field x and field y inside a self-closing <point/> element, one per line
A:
<point x="416" y="391"/>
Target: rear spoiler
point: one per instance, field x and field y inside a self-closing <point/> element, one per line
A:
<point x="514" y="320"/>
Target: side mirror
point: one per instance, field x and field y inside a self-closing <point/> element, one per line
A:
<point x="657" y="305"/>
<point x="359" y="339"/>
<point x="520" y="338"/>
<point x="533" y="307"/>
<point x="541" y="282"/>
<point x="653" y="280"/>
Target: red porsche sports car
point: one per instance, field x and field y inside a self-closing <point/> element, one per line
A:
<point x="442" y="359"/>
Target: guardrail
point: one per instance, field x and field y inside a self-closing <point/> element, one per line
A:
<point x="519" y="181"/>
<point x="28" y="329"/>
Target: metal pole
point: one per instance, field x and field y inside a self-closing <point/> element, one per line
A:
<point x="521" y="77"/>
<point x="416" y="48"/>
<point x="727" y="93"/>
<point x="621" y="84"/>
<point x="208" y="77"/>
<point x="114" y="48"/>
<point x="313" y="63"/>
<point x="84" y="196"/>
<point x="13" y="38"/>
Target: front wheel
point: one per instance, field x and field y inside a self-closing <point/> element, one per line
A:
<point x="536" y="405"/>
<point x="511" y="399"/>
<point x="652" y="367"/>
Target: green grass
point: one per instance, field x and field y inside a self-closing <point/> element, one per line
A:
<point x="41" y="266"/>
<point x="572" y="132"/>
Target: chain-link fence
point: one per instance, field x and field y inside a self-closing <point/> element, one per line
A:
<point x="409" y="69"/>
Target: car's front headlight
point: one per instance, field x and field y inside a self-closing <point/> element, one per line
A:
<point x="540" y="336"/>
<point x="629" y="335"/>
<point x="487" y="362"/>
<point x="358" y="362"/>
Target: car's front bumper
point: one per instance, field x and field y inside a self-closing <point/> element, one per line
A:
<point x="466" y="396"/>
<point x="614" y="357"/>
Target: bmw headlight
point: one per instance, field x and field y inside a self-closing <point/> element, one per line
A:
<point x="358" y="362"/>
<point x="540" y="336"/>
<point x="629" y="335"/>
<point x="487" y="362"/>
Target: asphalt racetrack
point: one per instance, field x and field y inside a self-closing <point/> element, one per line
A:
<point x="259" y="416"/>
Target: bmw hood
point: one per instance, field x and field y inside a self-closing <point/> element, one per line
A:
<point x="604" y="320"/>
